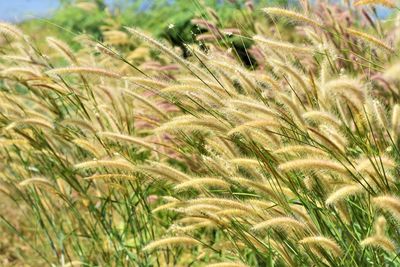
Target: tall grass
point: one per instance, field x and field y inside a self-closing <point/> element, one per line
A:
<point x="204" y="161"/>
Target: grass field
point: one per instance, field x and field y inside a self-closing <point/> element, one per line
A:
<point x="201" y="134"/>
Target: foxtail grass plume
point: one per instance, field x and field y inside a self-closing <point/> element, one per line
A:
<point x="386" y="3"/>
<point x="171" y="241"/>
<point x="323" y="242"/>
<point x="388" y="203"/>
<point x="291" y="15"/>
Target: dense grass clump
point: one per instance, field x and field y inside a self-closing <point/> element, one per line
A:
<point x="114" y="157"/>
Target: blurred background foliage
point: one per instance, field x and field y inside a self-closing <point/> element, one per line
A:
<point x="165" y="19"/>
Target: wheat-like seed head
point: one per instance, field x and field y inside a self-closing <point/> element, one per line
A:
<point x="126" y="138"/>
<point x="386" y="3"/>
<point x="344" y="192"/>
<point x="13" y="142"/>
<point x="172" y="241"/>
<point x="313" y="164"/>
<point x="188" y="122"/>
<point x="52" y="87"/>
<point x="252" y="105"/>
<point x="300" y="149"/>
<point x="172" y="206"/>
<point x="322" y="117"/>
<point x="346" y="87"/>
<point x="291" y="15"/>
<point x="11" y="30"/>
<point x="380" y="226"/>
<point x="84" y="70"/>
<point x="282" y="223"/>
<point x="271" y="190"/>
<point x="198" y="209"/>
<point x="283" y="46"/>
<point x="31" y="122"/>
<point x="371" y="165"/>
<point x="293" y="73"/>
<point x="148" y="103"/>
<point x="165" y="171"/>
<point x="391" y="72"/>
<point x="388" y="203"/>
<point x="223" y="203"/>
<point x="112" y="176"/>
<point x="36" y="181"/>
<point x="323" y="242"/>
<point x="235" y="214"/>
<point x="202" y="182"/>
<point x="62" y="48"/>
<point x="381" y="114"/>
<point x="81" y="124"/>
<point x="194" y="227"/>
<point x="88" y="146"/>
<point x="26" y="73"/>
<point x="370" y="39"/>
<point x="381" y="242"/>
<point x="119" y="164"/>
<point x="395" y="122"/>
<point x="293" y="108"/>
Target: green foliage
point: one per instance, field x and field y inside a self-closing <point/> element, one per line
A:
<point x="76" y="20"/>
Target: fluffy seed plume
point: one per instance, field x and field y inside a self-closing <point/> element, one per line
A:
<point x="392" y="72"/>
<point x="388" y="203"/>
<point x="312" y="164"/>
<point x="84" y="70"/>
<point x="171" y="241"/>
<point x="165" y="171"/>
<point x="395" y="122"/>
<point x="206" y="181"/>
<point x="380" y="225"/>
<point x="370" y="165"/>
<point x="347" y="87"/>
<point x="126" y="138"/>
<point x="111" y="176"/>
<point x="36" y="180"/>
<point x="31" y="122"/>
<point x="344" y="192"/>
<point x="291" y="15"/>
<point x="322" y="117"/>
<point x="62" y="48"/>
<point x="381" y="242"/>
<point x="88" y="146"/>
<point x="115" y="164"/>
<point x="283" y="46"/>
<point x="386" y="3"/>
<point x="370" y="39"/>
<point x="299" y="149"/>
<point x="323" y="242"/>
<point x="280" y="222"/>
<point x="11" y="30"/>
<point x="223" y="203"/>
<point x="205" y="123"/>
